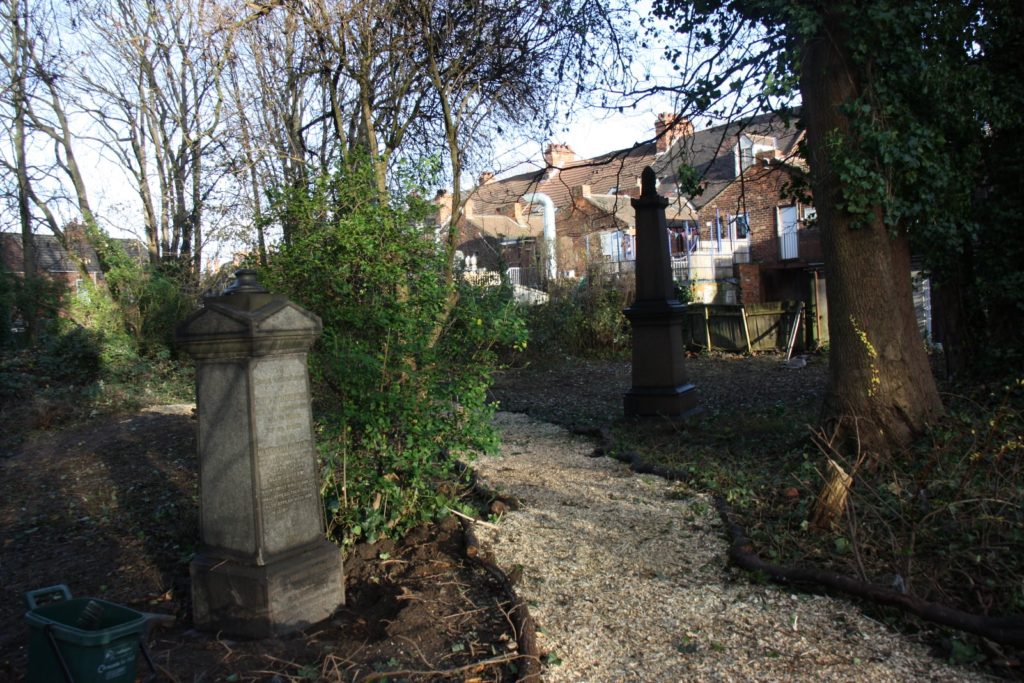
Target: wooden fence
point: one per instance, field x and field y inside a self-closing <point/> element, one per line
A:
<point x="727" y="327"/>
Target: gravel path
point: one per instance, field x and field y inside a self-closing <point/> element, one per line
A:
<point x="627" y="578"/>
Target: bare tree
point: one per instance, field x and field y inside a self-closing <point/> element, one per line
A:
<point x="36" y="107"/>
<point x="154" y="90"/>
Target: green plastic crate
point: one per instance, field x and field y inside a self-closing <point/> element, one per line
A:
<point x="81" y="640"/>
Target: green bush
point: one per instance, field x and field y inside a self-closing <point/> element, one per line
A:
<point x="105" y="348"/>
<point x="144" y="301"/>
<point x="405" y="358"/>
<point x="583" y="318"/>
<point x="37" y="299"/>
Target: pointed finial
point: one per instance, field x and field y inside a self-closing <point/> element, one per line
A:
<point x="648" y="183"/>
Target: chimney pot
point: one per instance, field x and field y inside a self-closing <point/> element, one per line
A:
<point x="668" y="128"/>
<point x="558" y="155"/>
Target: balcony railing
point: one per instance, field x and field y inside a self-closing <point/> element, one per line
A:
<point x="708" y="261"/>
<point x="788" y="248"/>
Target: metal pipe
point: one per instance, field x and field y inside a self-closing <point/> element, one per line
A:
<point x="549" y="229"/>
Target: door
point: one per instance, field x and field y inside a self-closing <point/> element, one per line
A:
<point x="787" y="232"/>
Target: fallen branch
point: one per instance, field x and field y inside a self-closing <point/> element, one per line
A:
<point x="524" y="628"/>
<point x="519" y="614"/>
<point x="472" y="542"/>
<point x="467" y="518"/>
<point x="1005" y="630"/>
<point x="500" y="503"/>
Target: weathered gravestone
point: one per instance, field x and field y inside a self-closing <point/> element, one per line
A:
<point x="264" y="566"/>
<point x="659" y="378"/>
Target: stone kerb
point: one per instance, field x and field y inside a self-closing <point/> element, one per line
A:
<point x="264" y="566"/>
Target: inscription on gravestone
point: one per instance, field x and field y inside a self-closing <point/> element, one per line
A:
<point x="264" y="566"/>
<point x="288" y="487"/>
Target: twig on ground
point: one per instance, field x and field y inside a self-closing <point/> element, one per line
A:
<point x="486" y="525"/>
<point x="493" y="661"/>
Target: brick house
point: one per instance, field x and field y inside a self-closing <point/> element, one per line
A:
<point x="502" y="226"/>
<point x="53" y="260"/>
<point x="739" y="240"/>
<point x="752" y="240"/>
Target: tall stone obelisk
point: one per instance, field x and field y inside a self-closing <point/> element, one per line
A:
<point x="660" y="386"/>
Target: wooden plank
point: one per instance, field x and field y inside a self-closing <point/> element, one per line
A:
<point x="746" y="330"/>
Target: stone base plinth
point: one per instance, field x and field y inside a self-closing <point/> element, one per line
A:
<point x="678" y="401"/>
<point x="246" y="600"/>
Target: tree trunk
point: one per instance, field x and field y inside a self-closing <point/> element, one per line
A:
<point x="878" y="367"/>
<point x="28" y="248"/>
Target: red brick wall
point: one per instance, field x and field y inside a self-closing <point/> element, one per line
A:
<point x="758" y="195"/>
<point x="750" y="283"/>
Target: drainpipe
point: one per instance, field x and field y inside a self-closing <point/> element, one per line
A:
<point x="549" y="229"/>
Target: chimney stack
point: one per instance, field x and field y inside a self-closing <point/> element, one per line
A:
<point x="668" y="128"/>
<point x="558" y="155"/>
<point x="485" y="177"/>
<point x="443" y="202"/>
<point x="513" y="211"/>
<point x="580" y="191"/>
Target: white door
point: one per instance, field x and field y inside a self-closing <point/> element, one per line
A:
<point x="787" y="232"/>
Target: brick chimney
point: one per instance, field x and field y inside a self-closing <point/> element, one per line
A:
<point x="485" y="177"/>
<point x="443" y="202"/>
<point x="579" y="194"/>
<point x="668" y="128"/>
<point x="767" y="155"/>
<point x="513" y="211"/>
<point x="558" y="156"/>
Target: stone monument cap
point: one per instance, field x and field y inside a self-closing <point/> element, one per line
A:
<point x="245" y="282"/>
<point x="244" y="293"/>
<point x="247" y="320"/>
<point x="649" y="196"/>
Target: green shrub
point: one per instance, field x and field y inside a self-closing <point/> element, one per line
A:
<point x="583" y="318"/>
<point x="37" y="299"/>
<point x="405" y="358"/>
<point x="144" y="301"/>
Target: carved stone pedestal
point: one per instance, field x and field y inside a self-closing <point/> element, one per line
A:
<point x="264" y="566"/>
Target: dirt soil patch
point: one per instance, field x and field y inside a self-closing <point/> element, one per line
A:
<point x="109" y="508"/>
<point x="588" y="393"/>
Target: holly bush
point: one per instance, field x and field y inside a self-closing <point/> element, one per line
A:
<point x="402" y="368"/>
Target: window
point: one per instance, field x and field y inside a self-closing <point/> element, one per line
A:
<point x="788" y="242"/>
<point x="739" y="226"/>
<point x="787" y="220"/>
<point x="744" y="154"/>
<point x="617" y="246"/>
<point x="682" y="237"/>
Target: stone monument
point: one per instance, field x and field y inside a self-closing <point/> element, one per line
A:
<point x="264" y="566"/>
<point x="656" y="316"/>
